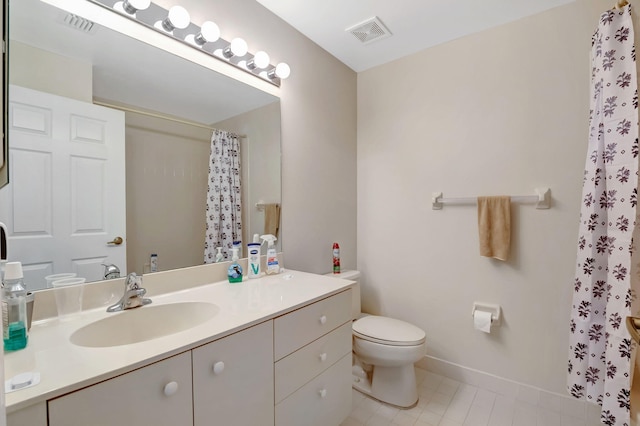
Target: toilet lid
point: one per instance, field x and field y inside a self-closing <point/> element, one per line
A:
<point x="388" y="331"/>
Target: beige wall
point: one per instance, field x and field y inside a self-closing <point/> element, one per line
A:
<point x="260" y="162"/>
<point x="499" y="112"/>
<point x="167" y="169"/>
<point x="51" y="73"/>
<point x="318" y="107"/>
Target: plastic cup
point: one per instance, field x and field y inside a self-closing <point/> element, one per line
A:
<point x="68" y="293"/>
<point x="55" y="277"/>
<point x="30" y="298"/>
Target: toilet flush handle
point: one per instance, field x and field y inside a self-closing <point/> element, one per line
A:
<point x="323" y="319"/>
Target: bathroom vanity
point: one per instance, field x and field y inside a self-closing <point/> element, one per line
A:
<point x="275" y="350"/>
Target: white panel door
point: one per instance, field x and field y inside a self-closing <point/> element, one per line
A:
<point x="66" y="196"/>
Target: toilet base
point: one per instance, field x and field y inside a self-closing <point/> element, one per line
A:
<point x="395" y="386"/>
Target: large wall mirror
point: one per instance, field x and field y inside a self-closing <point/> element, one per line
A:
<point x="110" y="138"/>
<point x="4" y="147"/>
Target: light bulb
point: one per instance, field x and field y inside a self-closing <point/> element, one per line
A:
<point x="178" y="17"/>
<point x="209" y="32"/>
<point x="260" y="60"/>
<point x="282" y="70"/>
<point x="238" y="47"/>
<point x="132" y="6"/>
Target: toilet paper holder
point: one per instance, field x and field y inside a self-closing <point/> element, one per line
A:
<point x="495" y="310"/>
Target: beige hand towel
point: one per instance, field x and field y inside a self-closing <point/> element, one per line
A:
<point x="494" y="226"/>
<point x="271" y="219"/>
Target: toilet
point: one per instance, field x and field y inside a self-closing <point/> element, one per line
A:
<point x="384" y="351"/>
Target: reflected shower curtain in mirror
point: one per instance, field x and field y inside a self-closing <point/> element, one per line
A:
<point x="606" y="277"/>
<point x="224" y="195"/>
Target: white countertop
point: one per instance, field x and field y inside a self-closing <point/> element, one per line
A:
<point x="65" y="367"/>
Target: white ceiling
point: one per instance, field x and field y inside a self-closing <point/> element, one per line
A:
<point x="415" y="24"/>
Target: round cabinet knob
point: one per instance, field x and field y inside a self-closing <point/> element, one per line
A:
<point x="322" y="393"/>
<point x="323" y="357"/>
<point x="323" y="319"/>
<point x="218" y="367"/>
<point x="170" y="388"/>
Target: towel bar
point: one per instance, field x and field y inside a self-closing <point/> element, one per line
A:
<point x="261" y="205"/>
<point x="542" y="199"/>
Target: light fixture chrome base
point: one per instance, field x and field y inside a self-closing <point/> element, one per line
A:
<point x="154" y="13"/>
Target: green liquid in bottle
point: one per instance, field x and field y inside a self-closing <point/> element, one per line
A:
<point x="16" y="337"/>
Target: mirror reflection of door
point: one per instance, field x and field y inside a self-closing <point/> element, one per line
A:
<point x="66" y="197"/>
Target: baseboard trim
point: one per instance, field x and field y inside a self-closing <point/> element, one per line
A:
<point x="561" y="403"/>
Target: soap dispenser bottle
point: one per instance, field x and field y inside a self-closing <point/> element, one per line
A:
<point x="234" y="272"/>
<point x="14" y="308"/>
<point x="273" y="266"/>
<point x="219" y="255"/>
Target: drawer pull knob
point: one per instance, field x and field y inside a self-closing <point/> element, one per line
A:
<point x="323" y="357"/>
<point x="323" y="319"/>
<point x="322" y="393"/>
<point x="170" y="388"/>
<point x="218" y="367"/>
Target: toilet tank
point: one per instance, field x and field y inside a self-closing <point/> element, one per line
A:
<point x="355" y="290"/>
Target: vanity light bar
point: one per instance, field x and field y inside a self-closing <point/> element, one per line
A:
<point x="175" y="23"/>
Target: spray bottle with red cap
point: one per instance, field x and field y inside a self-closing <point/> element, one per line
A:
<point x="336" y="258"/>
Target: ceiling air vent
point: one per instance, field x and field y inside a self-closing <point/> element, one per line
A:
<point x="79" y="23"/>
<point x="370" y="30"/>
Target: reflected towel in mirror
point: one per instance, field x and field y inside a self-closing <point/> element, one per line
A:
<point x="272" y="219"/>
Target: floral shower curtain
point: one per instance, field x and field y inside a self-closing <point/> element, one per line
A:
<point x="600" y="347"/>
<point x="224" y="200"/>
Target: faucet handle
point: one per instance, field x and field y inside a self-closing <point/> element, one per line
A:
<point x="133" y="282"/>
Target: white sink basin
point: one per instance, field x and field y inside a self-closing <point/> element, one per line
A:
<point x="144" y="323"/>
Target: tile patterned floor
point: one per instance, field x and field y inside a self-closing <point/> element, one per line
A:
<point x="446" y="402"/>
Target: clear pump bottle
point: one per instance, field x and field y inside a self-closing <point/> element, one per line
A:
<point x="14" y="308"/>
<point x="219" y="255"/>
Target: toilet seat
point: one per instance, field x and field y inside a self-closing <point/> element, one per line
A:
<point x="388" y="331"/>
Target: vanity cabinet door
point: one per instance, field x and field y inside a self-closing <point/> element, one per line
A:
<point x="159" y="394"/>
<point x="233" y="379"/>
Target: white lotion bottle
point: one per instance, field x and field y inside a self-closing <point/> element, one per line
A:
<point x="254" y="260"/>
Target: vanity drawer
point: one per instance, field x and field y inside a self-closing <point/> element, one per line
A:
<point x="295" y="370"/>
<point x="326" y="400"/>
<point x="298" y="328"/>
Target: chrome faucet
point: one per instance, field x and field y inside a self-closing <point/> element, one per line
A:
<point x="111" y="271"/>
<point x="133" y="294"/>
